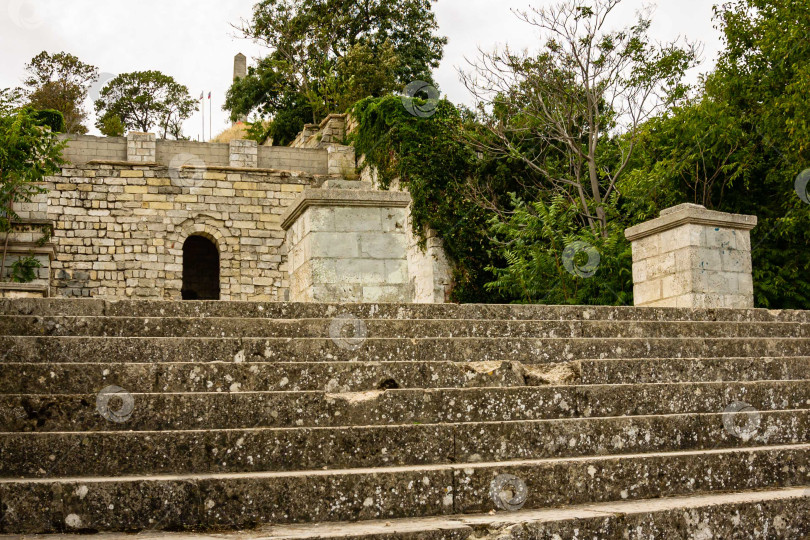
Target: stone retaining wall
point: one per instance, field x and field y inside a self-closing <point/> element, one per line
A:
<point x="123" y="208"/>
<point x="119" y="229"/>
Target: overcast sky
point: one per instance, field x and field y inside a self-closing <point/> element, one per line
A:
<point x="192" y="40"/>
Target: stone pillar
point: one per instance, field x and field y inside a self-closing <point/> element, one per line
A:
<point x="244" y="153"/>
<point x="240" y="72"/>
<point x="691" y="257"/>
<point x="341" y="161"/>
<point x="348" y="245"/>
<point x="141" y="147"/>
<point x="239" y="66"/>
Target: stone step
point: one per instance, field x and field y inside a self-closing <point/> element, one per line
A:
<point x="344" y="377"/>
<point x="671" y="370"/>
<point x="238" y="501"/>
<point x="83" y="378"/>
<point x="157" y="412"/>
<point x="277" y="310"/>
<point x="29" y="349"/>
<point x="386" y="328"/>
<point x="52" y="455"/>
<point x="779" y="513"/>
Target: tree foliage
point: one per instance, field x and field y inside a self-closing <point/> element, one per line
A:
<point x="60" y="82"/>
<point x="324" y="55"/>
<point x="740" y="144"/>
<point x="10" y="100"/>
<point x="552" y="259"/>
<point x="143" y="100"/>
<point x="29" y="151"/>
<point x="429" y="157"/>
<point x="559" y="110"/>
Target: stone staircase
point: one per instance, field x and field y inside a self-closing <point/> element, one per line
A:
<point x="403" y="421"/>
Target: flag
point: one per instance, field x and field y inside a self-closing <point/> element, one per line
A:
<point x="209" y="95"/>
<point x="202" y="96"/>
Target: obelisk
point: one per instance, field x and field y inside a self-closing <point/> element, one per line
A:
<point x="240" y="72"/>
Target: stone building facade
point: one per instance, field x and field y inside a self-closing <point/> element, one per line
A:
<point x="140" y="218"/>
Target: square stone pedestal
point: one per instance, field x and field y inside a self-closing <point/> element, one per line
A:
<point x="348" y="245"/>
<point x="691" y="257"/>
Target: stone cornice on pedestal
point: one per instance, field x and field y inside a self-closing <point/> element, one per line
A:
<point x="32" y="248"/>
<point x="688" y="214"/>
<point x="132" y="164"/>
<point x="9" y="286"/>
<point x="344" y="198"/>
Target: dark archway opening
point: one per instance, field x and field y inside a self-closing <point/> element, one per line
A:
<point x="200" y="269"/>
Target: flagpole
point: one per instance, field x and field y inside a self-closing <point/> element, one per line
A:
<point x="202" y="106"/>
<point x="210" y="116"/>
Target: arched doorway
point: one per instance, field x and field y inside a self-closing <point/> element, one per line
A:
<point x="200" y="269"/>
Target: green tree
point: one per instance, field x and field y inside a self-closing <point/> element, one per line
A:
<point x="558" y="111"/>
<point x="739" y="146"/>
<point x="10" y="100"/>
<point x="112" y="126"/>
<point x="144" y="100"/>
<point x="366" y="73"/>
<point x="29" y="151"/>
<point x="326" y="52"/>
<point x="552" y="259"/>
<point x="429" y="156"/>
<point x="60" y="82"/>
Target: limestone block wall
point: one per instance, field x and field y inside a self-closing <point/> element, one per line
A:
<point x="119" y="229"/>
<point x="348" y="245"/>
<point x="244" y="154"/>
<point x="141" y="147"/>
<point x="82" y="149"/>
<point x="331" y="131"/>
<point x="179" y="152"/>
<point x="342" y="161"/>
<point x="309" y="160"/>
<point x="694" y="258"/>
<point x="429" y="269"/>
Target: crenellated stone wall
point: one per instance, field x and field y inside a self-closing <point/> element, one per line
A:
<point x="83" y="149"/>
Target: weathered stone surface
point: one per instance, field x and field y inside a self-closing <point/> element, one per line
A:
<point x="525" y="350"/>
<point x="335" y="377"/>
<point x="245" y="501"/>
<point x="257" y="414"/>
<point x="736" y="516"/>
<point x="399" y="328"/>
<point x="562" y="482"/>
<point x="340" y="250"/>
<point x="53" y="455"/>
<point x="285" y="310"/>
<point x="693" y="257"/>
<point x="662" y="370"/>
<point x="164" y="411"/>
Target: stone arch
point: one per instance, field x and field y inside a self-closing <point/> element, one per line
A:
<point x="201" y="269"/>
<point x="210" y="228"/>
